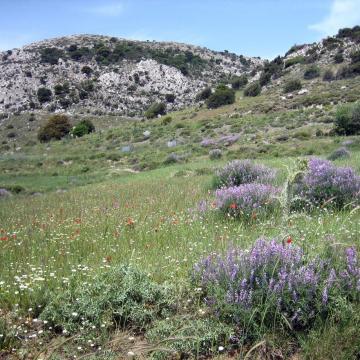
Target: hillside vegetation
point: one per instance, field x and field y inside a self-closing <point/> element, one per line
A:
<point x="226" y="227"/>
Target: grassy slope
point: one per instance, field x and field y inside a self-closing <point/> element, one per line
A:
<point x="84" y="230"/>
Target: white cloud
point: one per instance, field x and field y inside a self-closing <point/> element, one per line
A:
<point x="113" y="9"/>
<point x="343" y="13"/>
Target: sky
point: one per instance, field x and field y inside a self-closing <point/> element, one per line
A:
<point x="265" y="28"/>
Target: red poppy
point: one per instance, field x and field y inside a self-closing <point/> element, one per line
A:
<point x="4" y="238"/>
<point x="289" y="240"/>
<point x="233" y="206"/>
<point x="130" y="222"/>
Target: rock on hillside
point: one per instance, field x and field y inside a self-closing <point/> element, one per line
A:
<point x="99" y="74"/>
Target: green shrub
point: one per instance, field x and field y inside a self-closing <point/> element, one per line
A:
<point x="155" y="109"/>
<point x="328" y="75"/>
<point x="44" y="95"/>
<point x="51" y="55"/>
<point x="311" y="73"/>
<point x="87" y="70"/>
<point x="295" y="60"/>
<point x="355" y="56"/>
<point x="339" y="58"/>
<point x="170" y="98"/>
<point x="203" y="94"/>
<point x="253" y="89"/>
<point x="292" y="85"/>
<point x="84" y="127"/>
<point x="349" y="71"/>
<point x="119" y="297"/>
<point x="237" y="82"/>
<point x="347" y="119"/>
<point x="166" y="120"/>
<point x="265" y="78"/>
<point x="188" y="338"/>
<point x="222" y="96"/>
<point x="56" y="128"/>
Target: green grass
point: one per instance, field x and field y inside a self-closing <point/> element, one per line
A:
<point x="131" y="208"/>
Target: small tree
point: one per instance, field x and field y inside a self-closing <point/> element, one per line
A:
<point x="155" y="109"/>
<point x="84" y="127"/>
<point x="222" y="96"/>
<point x="253" y="89"/>
<point x="44" y="95"/>
<point x="56" y="128"/>
<point x="347" y="119"/>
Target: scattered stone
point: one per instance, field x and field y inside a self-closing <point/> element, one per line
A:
<point x="303" y="91"/>
<point x="171" y="143"/>
<point x="127" y="148"/>
<point x="5" y="193"/>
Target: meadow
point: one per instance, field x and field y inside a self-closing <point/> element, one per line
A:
<point x="152" y="221"/>
<point x="102" y="235"/>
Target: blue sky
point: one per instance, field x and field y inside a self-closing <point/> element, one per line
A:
<point x="263" y="28"/>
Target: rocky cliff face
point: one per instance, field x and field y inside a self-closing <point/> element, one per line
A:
<point x="98" y="74"/>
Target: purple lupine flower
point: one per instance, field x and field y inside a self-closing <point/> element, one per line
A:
<point x="277" y="272"/>
<point x="240" y="172"/>
<point x="247" y="199"/>
<point x="325" y="184"/>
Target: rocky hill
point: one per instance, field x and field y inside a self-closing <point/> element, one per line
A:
<point x="99" y="74"/>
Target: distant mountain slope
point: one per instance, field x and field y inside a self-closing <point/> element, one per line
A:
<point x="100" y="74"/>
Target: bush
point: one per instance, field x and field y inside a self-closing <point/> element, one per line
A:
<point x="188" y="338"/>
<point x="56" y="128"/>
<point x="215" y="154"/>
<point x="155" y="109"/>
<point x="349" y="71"/>
<point x="311" y="73"/>
<point x="253" y="89"/>
<point x="222" y="96"/>
<point x="325" y="185"/>
<point x="44" y="95"/>
<point x="84" y="127"/>
<point x="339" y="58"/>
<point x="295" y="60"/>
<point x="340" y="153"/>
<point x="120" y="297"/>
<point x="355" y="57"/>
<point x="347" y="119"/>
<point x="238" y="172"/>
<point x="237" y="82"/>
<point x="247" y="201"/>
<point x="259" y="288"/>
<point x="51" y="55"/>
<point x="328" y="75"/>
<point x="204" y="94"/>
<point x="166" y="120"/>
<point x="11" y="135"/>
<point x="265" y="78"/>
<point x="87" y="70"/>
<point x="292" y="85"/>
<point x="170" y="98"/>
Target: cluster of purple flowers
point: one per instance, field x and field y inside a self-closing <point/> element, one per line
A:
<point x="278" y="277"/>
<point x="247" y="200"/>
<point x="239" y="172"/>
<point x="225" y="140"/>
<point x="325" y="184"/>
